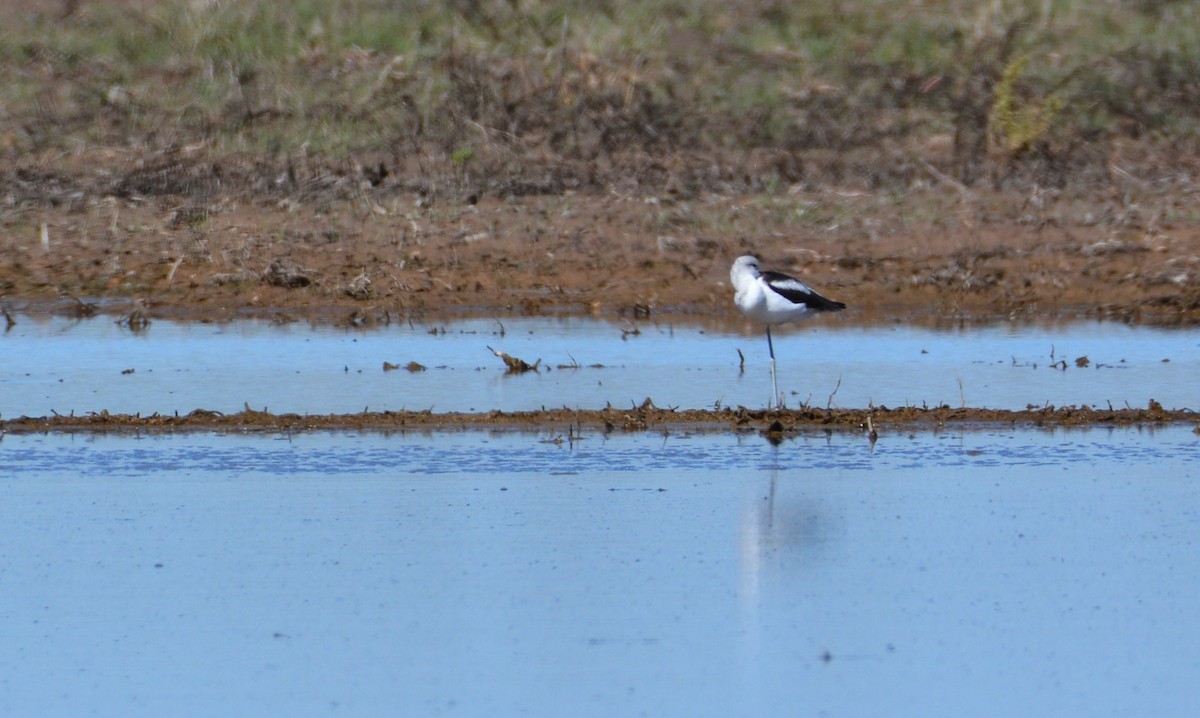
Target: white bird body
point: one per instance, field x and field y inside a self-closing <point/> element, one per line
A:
<point x="772" y="298"/>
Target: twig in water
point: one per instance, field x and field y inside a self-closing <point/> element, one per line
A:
<point x="829" y="404"/>
<point x="741" y="362"/>
<point x="81" y="309"/>
<point x="136" y="320"/>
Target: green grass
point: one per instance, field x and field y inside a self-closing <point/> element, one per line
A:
<point x="341" y="78"/>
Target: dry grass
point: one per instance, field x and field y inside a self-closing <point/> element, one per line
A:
<point x="535" y="97"/>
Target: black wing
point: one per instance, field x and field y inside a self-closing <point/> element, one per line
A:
<point x="798" y="292"/>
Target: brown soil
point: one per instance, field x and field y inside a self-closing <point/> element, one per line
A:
<point x="392" y="254"/>
<point x="567" y="424"/>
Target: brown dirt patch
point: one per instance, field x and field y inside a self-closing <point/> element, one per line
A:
<point x="390" y="253"/>
<point x="647" y="417"/>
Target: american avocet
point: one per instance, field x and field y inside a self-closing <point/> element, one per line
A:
<point x="774" y="298"/>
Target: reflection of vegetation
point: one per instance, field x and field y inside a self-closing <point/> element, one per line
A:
<point x="579" y="79"/>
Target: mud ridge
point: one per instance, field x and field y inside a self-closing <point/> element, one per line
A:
<point x="647" y="417"/>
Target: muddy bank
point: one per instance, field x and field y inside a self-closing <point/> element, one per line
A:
<point x="567" y="425"/>
<point x="595" y="254"/>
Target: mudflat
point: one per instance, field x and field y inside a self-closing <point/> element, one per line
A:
<point x="388" y="252"/>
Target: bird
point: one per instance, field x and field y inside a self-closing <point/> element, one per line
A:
<point x="772" y="298"/>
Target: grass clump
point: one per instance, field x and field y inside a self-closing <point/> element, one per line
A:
<point x="1017" y="125"/>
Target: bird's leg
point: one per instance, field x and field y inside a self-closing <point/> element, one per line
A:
<point x="775" y="402"/>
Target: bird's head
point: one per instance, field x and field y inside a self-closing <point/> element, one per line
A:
<point x="745" y="263"/>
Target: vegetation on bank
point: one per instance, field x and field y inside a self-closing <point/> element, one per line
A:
<point x="532" y="96"/>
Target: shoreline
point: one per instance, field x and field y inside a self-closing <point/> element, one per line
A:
<point x="572" y="425"/>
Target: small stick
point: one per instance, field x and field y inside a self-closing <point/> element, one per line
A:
<point x="829" y="404"/>
<point x="174" y="267"/>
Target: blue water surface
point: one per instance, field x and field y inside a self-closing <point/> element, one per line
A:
<point x="986" y="572"/>
<point x="57" y="365"/>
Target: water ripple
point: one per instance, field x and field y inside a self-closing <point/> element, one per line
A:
<point x="516" y="453"/>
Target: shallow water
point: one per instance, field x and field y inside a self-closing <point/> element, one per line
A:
<point x="477" y="574"/>
<point x="65" y="366"/>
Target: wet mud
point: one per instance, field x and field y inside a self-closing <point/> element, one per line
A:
<point x="567" y="425"/>
<point x="588" y="254"/>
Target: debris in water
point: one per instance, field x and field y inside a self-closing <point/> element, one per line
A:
<point x="81" y="308"/>
<point x="359" y="318"/>
<point x="516" y="365"/>
<point x="411" y="366"/>
<point x="136" y="320"/>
